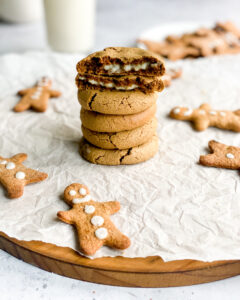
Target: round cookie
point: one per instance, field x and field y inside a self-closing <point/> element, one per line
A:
<point x="123" y="139"/>
<point x="116" y="102"/>
<point x="119" y="157"/>
<point x="115" y="123"/>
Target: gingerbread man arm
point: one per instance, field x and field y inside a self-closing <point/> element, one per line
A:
<point x="33" y="176"/>
<point x="23" y="92"/>
<point x="205" y="106"/>
<point x="54" y="94"/>
<point x="66" y="216"/>
<point x="111" y="207"/>
<point x="20" y="157"/>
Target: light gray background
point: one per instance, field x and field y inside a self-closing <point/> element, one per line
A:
<point x="118" y="23"/>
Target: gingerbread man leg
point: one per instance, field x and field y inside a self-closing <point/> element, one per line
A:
<point x="13" y="190"/>
<point x="118" y="240"/>
<point x="201" y="124"/>
<point x="23" y="104"/>
<point x="222" y="156"/>
<point x="89" y="245"/>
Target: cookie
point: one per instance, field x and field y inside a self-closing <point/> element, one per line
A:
<point x="36" y="97"/>
<point x="91" y="219"/>
<point x="116" y="102"/>
<point x="228" y="28"/>
<point x="204" y="117"/>
<point x="172" y="73"/>
<point x="115" y="123"/>
<point x="224" y="38"/>
<point x="120" y="83"/>
<point x="172" y="51"/>
<point x="14" y="175"/>
<point x="207" y="41"/>
<point x="222" y="156"/>
<point x="129" y="156"/>
<point x="122" y="61"/>
<point x="123" y="139"/>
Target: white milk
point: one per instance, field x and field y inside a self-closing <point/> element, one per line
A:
<point x="70" y="24"/>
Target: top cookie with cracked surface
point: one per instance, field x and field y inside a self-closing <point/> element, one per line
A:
<point x="116" y="102"/>
<point x="122" y="61"/>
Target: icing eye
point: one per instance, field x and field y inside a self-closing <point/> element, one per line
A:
<point x="82" y="191"/>
<point x="176" y="110"/>
<point x="10" y="165"/>
<point x="230" y="155"/>
<point x="72" y="192"/>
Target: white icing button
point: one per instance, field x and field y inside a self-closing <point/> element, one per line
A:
<point x="72" y="193"/>
<point x="20" y="175"/>
<point x="202" y="112"/>
<point x="82" y="191"/>
<point x="176" y="110"/>
<point x="3" y="162"/>
<point x="212" y="112"/>
<point x="81" y="200"/>
<point x="222" y="113"/>
<point x="230" y="155"/>
<point x="188" y="112"/>
<point x="89" y="209"/>
<point x="97" y="221"/>
<point x="101" y="233"/>
<point x="10" y="165"/>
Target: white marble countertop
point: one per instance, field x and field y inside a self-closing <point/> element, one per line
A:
<point x="118" y="23"/>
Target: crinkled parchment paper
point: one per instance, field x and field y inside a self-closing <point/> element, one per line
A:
<point x="170" y="205"/>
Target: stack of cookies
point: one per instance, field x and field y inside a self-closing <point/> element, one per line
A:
<point x="117" y="88"/>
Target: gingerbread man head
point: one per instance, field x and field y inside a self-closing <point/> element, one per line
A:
<point x="44" y="82"/>
<point x="76" y="193"/>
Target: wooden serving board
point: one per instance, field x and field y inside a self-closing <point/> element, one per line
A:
<point x="119" y="271"/>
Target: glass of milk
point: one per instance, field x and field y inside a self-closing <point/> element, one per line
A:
<point x="70" y="24"/>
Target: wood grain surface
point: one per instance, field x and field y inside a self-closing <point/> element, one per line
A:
<point x="119" y="271"/>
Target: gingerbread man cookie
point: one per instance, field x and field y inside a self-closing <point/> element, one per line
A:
<point x="36" y="97"/>
<point x="222" y="156"/>
<point x="91" y="220"/>
<point x="14" y="175"/>
<point x="204" y="117"/>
